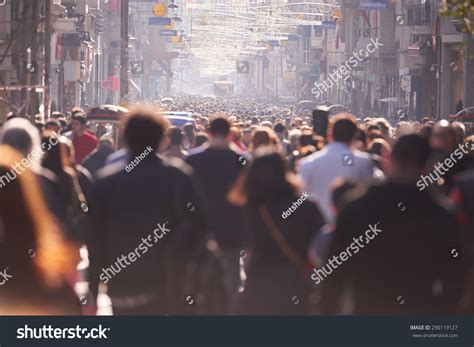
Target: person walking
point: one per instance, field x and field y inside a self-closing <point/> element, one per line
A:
<point x="278" y="243"/>
<point x="145" y="225"/>
<point x="40" y="264"/>
<point x="337" y="159"/>
<point x="217" y="167"/>
<point x="399" y="256"/>
<point x="84" y="142"/>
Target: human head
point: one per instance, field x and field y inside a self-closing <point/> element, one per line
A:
<point x="280" y="129"/>
<point x="408" y="158"/>
<point x="307" y="138"/>
<point x="78" y="123"/>
<point x="201" y="138"/>
<point x="20" y="134"/>
<point x="219" y="127"/>
<point x="189" y="131"/>
<point x="263" y="136"/>
<point x="264" y="180"/>
<point x="294" y="137"/>
<point x="144" y="127"/>
<point x="342" y="128"/>
<point x="443" y="137"/>
<point x="236" y="133"/>
<point x="53" y="125"/>
<point x="175" y="136"/>
<point x="57" y="115"/>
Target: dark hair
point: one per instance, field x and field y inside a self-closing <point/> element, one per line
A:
<point x="175" y="135"/>
<point x="343" y="128"/>
<point x="201" y="138"/>
<point x="53" y="122"/>
<point x="425" y="131"/>
<point x="411" y="150"/>
<point x="144" y="127"/>
<point x="266" y="180"/>
<point x="57" y="114"/>
<point x="307" y="139"/>
<point x="79" y="116"/>
<point x="77" y="110"/>
<point x="219" y="127"/>
<point x="279" y="128"/>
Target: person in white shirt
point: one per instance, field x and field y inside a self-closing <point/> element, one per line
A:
<point x="337" y="159"/>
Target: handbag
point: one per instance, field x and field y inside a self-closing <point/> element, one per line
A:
<point x="280" y="240"/>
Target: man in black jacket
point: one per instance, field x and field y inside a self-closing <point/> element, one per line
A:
<point x="397" y="249"/>
<point x="217" y="168"/>
<point x="146" y="224"/>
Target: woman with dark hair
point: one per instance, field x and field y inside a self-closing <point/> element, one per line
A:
<point x="61" y="185"/>
<point x="33" y="252"/>
<point x="279" y="223"/>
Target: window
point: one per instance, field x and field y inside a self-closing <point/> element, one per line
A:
<point x="419" y="14"/>
<point x="306" y="50"/>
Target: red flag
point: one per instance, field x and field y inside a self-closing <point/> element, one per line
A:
<point x="57" y="48"/>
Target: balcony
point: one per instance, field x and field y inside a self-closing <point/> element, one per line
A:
<point x="419" y="15"/>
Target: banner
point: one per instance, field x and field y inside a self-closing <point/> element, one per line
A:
<point x="223" y="331"/>
<point x="373" y="5"/>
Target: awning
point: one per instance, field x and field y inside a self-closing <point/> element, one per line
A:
<point x="419" y="48"/>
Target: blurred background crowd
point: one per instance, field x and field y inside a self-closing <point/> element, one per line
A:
<point x="221" y="183"/>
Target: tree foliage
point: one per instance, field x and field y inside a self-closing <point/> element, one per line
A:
<point x="462" y="10"/>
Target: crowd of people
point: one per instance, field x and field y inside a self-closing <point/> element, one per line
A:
<point x="238" y="211"/>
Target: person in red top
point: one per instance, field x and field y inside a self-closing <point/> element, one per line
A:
<point x="84" y="142"/>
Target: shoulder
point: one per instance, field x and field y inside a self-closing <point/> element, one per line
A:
<point x="312" y="159"/>
<point x="91" y="137"/>
<point x="196" y="150"/>
<point x="363" y="157"/>
<point x="176" y="165"/>
<point x="110" y="170"/>
<point x="118" y="156"/>
<point x="196" y="154"/>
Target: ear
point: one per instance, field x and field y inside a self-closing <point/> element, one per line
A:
<point x="329" y="136"/>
